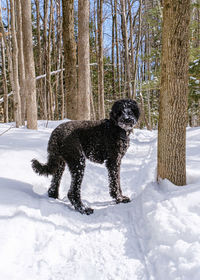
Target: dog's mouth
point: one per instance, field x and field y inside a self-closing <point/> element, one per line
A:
<point x="126" y="125"/>
<point x="127" y="122"/>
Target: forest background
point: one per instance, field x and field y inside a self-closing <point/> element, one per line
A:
<point x="124" y="60"/>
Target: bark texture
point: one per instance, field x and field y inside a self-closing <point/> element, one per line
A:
<point x="15" y="85"/>
<point x="101" y="111"/>
<point x="126" y="49"/>
<point x="21" y="61"/>
<point x="174" y="90"/>
<point x="30" y="82"/>
<point x="69" y="45"/>
<point x="5" y="87"/>
<point x="83" y="61"/>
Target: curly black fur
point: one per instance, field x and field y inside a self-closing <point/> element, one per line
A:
<point x="99" y="141"/>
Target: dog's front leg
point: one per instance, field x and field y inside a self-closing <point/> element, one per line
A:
<point x="113" y="166"/>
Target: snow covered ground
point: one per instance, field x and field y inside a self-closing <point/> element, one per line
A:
<point x="155" y="237"/>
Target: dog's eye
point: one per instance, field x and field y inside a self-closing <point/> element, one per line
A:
<point x="119" y="113"/>
<point x="128" y="112"/>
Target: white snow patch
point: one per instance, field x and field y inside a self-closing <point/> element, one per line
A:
<point x="156" y="236"/>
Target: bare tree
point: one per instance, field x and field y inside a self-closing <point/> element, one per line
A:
<point x="113" y="49"/>
<point x="9" y="57"/>
<point x="45" y="59"/>
<point x="117" y="48"/>
<point x="59" y="81"/>
<point x="125" y="40"/>
<point x="101" y="109"/>
<point x="48" y="66"/>
<point x="83" y="60"/>
<point x="17" y="99"/>
<point x="173" y="94"/>
<point x="41" y="93"/>
<point x="30" y="82"/>
<point x="21" y="61"/>
<point x="137" y="50"/>
<point x="4" y="77"/>
<point x="70" y="59"/>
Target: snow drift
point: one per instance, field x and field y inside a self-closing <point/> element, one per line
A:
<point x="156" y="236"/>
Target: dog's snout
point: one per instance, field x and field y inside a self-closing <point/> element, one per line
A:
<point x="128" y="119"/>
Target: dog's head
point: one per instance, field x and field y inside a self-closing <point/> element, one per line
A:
<point x="125" y="113"/>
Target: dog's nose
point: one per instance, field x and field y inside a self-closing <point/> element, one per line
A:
<point x="128" y="119"/>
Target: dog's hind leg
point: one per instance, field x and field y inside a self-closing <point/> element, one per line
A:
<point x="55" y="182"/>
<point x="77" y="171"/>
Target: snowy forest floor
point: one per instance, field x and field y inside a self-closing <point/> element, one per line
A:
<point x="155" y="237"/>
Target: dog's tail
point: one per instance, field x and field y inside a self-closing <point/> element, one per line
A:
<point x="45" y="169"/>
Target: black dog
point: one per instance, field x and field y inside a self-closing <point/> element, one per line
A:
<point x="105" y="140"/>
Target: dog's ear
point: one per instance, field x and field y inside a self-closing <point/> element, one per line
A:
<point x="113" y="115"/>
<point x="116" y="109"/>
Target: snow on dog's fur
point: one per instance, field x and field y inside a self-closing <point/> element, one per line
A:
<point x="99" y="141"/>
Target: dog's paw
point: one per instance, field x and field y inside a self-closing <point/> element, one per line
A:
<point x="84" y="210"/>
<point x="88" y="211"/>
<point x="123" y="199"/>
<point x="52" y="192"/>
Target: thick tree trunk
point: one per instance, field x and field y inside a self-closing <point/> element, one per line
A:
<point x="70" y="59"/>
<point x="83" y="61"/>
<point x="174" y="90"/>
<point x="30" y="84"/>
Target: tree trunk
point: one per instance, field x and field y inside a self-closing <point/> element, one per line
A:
<point x="83" y="60"/>
<point x="148" y="76"/>
<point x="117" y="50"/>
<point x="174" y="90"/>
<point x="17" y="100"/>
<point x="113" y="50"/>
<point x="48" y="67"/>
<point x="126" y="50"/>
<point x="4" y="78"/>
<point x="45" y="44"/>
<point x="8" y="50"/>
<point x="143" y="116"/>
<point x="101" y="109"/>
<point x="21" y="61"/>
<point x="137" y="50"/>
<point x="70" y="59"/>
<point x="62" y="90"/>
<point x="30" y="84"/>
<point x="131" y="43"/>
<point x="41" y="98"/>
<point x="59" y="86"/>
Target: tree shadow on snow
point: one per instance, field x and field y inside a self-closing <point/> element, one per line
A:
<point x="14" y="193"/>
